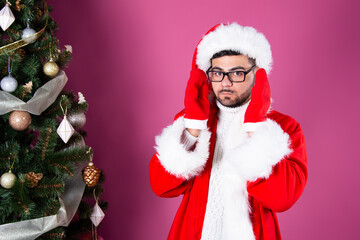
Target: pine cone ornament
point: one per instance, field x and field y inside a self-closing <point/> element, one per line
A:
<point x="91" y="175"/>
<point x="33" y="179"/>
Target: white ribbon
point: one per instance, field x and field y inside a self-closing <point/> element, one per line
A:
<point x="42" y="99"/>
<point x="31" y="229"/>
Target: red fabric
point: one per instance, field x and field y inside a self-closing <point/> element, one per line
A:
<point x="193" y="65"/>
<point x="260" y="99"/>
<point x="266" y="197"/>
<point x="196" y="102"/>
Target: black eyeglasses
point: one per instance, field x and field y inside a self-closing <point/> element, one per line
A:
<point x="234" y="76"/>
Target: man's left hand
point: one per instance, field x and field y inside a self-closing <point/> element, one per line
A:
<point x="260" y="100"/>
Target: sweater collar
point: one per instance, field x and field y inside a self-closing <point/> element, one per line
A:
<point x="227" y="110"/>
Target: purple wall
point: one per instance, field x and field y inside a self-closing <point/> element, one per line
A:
<point x="132" y="60"/>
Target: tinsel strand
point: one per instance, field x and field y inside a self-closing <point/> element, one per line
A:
<point x="54" y="235"/>
<point x="56" y="108"/>
<point x="23" y="206"/>
<point x="49" y="131"/>
<point x="51" y="210"/>
<point x="47" y="46"/>
<point x="63" y="167"/>
<point x="52" y="186"/>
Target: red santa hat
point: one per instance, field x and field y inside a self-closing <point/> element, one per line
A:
<point x="245" y="40"/>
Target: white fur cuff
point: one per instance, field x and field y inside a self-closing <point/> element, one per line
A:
<point x="255" y="157"/>
<point x="251" y="127"/>
<point x="195" y="124"/>
<point x="173" y="154"/>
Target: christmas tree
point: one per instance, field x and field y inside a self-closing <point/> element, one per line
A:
<point x="44" y="160"/>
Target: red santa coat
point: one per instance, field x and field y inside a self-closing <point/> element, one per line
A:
<point x="273" y="185"/>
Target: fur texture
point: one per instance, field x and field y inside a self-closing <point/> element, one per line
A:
<point x="247" y="159"/>
<point x="235" y="37"/>
<point x="236" y="221"/>
<point x="254" y="157"/>
<point x="173" y="155"/>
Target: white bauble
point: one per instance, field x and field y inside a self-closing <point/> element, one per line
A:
<point x="7" y="180"/>
<point x="9" y="83"/>
<point x="26" y="33"/>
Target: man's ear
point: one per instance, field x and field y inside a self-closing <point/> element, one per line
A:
<point x="256" y="68"/>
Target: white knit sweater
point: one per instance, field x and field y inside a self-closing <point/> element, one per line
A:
<point x="213" y="222"/>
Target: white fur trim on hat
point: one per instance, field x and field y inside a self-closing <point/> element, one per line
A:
<point x="175" y="157"/>
<point x="235" y="37"/>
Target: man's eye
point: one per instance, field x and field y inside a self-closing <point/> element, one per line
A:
<point x="218" y="74"/>
<point x="238" y="73"/>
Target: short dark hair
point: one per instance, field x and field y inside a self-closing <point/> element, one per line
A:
<point x="231" y="53"/>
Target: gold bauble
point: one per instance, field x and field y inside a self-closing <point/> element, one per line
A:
<point x="91" y="175"/>
<point x="19" y="120"/>
<point x="51" y="68"/>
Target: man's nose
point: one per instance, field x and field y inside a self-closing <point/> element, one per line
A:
<point x="226" y="81"/>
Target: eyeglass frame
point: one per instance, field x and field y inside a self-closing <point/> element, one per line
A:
<point x="227" y="74"/>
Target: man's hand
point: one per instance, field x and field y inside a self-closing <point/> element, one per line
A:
<point x="260" y="100"/>
<point x="197" y="106"/>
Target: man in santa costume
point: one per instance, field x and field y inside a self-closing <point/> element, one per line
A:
<point x="235" y="161"/>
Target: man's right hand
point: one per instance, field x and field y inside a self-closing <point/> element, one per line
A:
<point x="197" y="106"/>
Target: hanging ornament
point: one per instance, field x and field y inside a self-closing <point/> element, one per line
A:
<point x="81" y="98"/>
<point x="91" y="174"/>
<point x="77" y="120"/>
<point x="65" y="130"/>
<point x="33" y="179"/>
<point x="51" y="68"/>
<point x="28" y="34"/>
<point x="68" y="48"/>
<point x="28" y="87"/>
<point x="19" y="120"/>
<point x="19" y="5"/>
<point x="96" y="216"/>
<point x="6" y="17"/>
<point x="77" y="141"/>
<point x="9" y="83"/>
<point x="7" y="180"/>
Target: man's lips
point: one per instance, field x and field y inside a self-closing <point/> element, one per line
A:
<point x="226" y="92"/>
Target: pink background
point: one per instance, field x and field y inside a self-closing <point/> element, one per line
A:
<point x="132" y="60"/>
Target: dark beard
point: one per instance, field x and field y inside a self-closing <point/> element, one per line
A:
<point x="238" y="101"/>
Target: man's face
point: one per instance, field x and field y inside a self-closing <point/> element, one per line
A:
<point x="228" y="93"/>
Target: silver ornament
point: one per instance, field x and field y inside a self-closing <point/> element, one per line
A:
<point x="7" y="180"/>
<point x="77" y="142"/>
<point x="77" y="120"/>
<point x="9" y="83"/>
<point x="27" y="35"/>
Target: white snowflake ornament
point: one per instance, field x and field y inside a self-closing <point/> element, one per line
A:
<point x="65" y="130"/>
<point x="6" y="17"/>
<point x="97" y="215"/>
